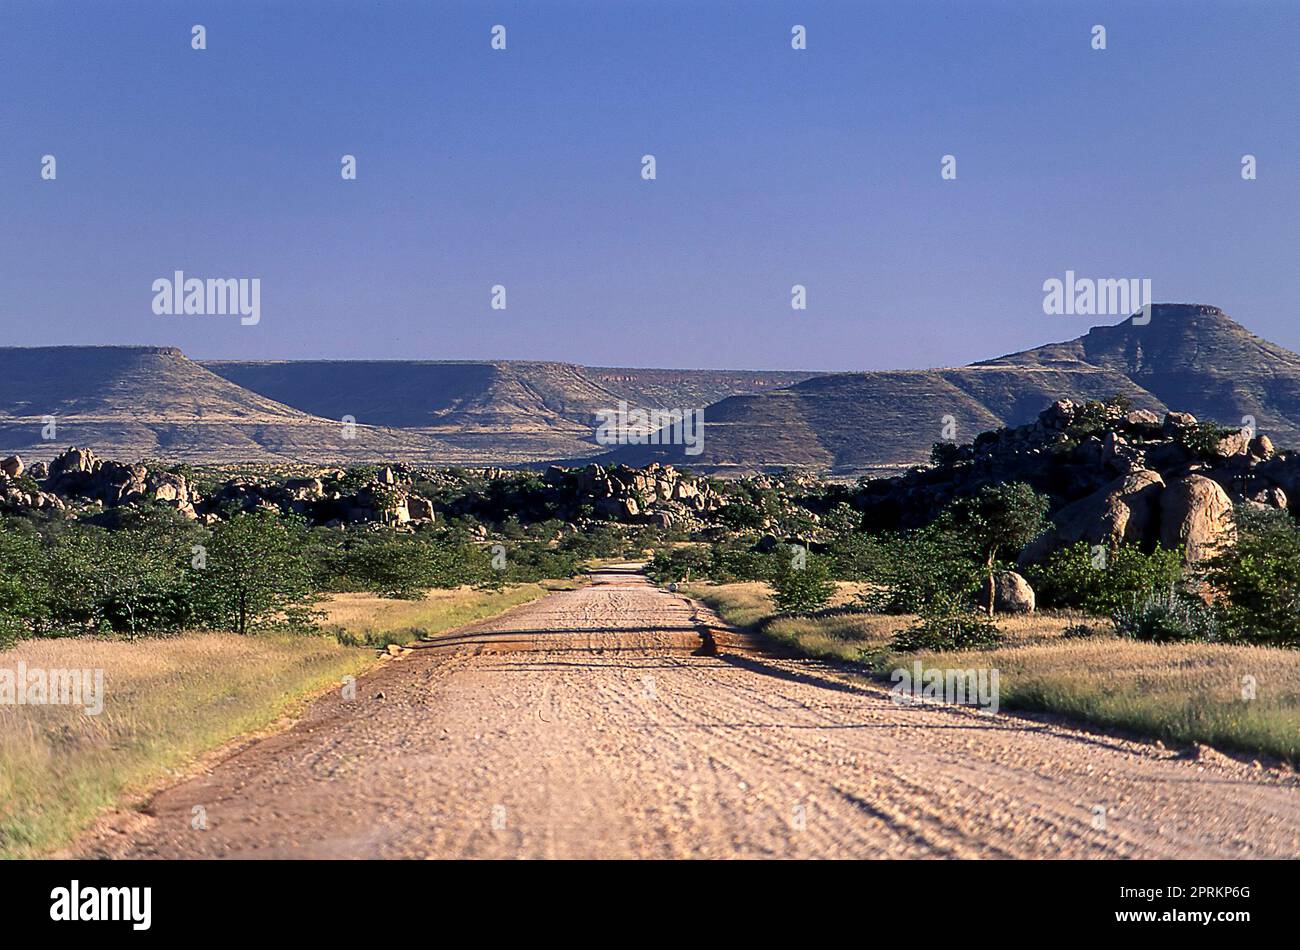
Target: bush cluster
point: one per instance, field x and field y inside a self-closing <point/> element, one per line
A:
<point x="150" y="571"/>
<point x="1101" y="581"/>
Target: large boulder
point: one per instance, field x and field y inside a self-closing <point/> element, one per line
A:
<point x="420" y="509"/>
<point x="1122" y="511"/>
<point x="1197" y="513"/>
<point x="1234" y="443"/>
<point x="1142" y="418"/>
<point x="70" y="472"/>
<point x="684" y="491"/>
<point x="1261" y="447"/>
<point x="1176" y="422"/>
<point x="1011" y="594"/>
<point x="117" y="483"/>
<point x="73" y="461"/>
<point x="12" y="466"/>
<point x="1270" y="497"/>
<point x="1119" y="456"/>
<point x="617" y="509"/>
<point x="1058" y="415"/>
<point x="168" y="486"/>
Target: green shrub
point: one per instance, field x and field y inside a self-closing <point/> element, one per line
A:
<point x="1203" y="439"/>
<point x="1167" y="616"/>
<point x="944" y="454"/>
<point x="1258" y="579"/>
<point x="253" y="574"/>
<point x="802" y="582"/>
<point x="671" y="565"/>
<point x="732" y="563"/>
<point x="25" y="483"/>
<point x="998" y="519"/>
<point x="1102" y="582"/>
<point x="856" y="556"/>
<point x="918" y="568"/>
<point x="1086" y="631"/>
<point x="948" y="627"/>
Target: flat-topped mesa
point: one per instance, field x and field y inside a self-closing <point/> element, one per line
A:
<point x="1182" y="311"/>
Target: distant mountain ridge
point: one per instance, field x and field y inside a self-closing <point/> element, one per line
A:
<point x="462" y="393"/>
<point x="132" y="402"/>
<point x="1189" y="357"/>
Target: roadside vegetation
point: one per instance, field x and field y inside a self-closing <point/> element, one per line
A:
<point x="215" y="621"/>
<point x="364" y="619"/>
<point x="206" y="633"/>
<point x="150" y="572"/>
<point x="1129" y="638"/>
<point x="169" y="700"/>
<point x="1230" y="696"/>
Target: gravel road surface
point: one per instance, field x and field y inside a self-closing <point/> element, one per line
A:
<point x="584" y="725"/>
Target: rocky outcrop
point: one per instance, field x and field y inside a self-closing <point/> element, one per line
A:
<point x="1113" y="476"/>
<point x="1124" y="511"/>
<point x="658" y="495"/>
<point x="419" y="509"/>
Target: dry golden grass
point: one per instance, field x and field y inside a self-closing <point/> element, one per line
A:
<point x="1177" y="692"/>
<point x="380" y="620"/>
<point x="168" y="701"/>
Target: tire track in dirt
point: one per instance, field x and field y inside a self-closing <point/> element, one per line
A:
<point x="584" y="725"/>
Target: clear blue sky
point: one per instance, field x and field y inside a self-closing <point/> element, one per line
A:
<point x="521" y="167"/>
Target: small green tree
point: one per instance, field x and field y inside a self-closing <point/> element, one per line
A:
<point x="802" y="582"/>
<point x="254" y="569"/>
<point x="1258" y="579"/>
<point x="673" y="564"/>
<point x="1168" y="616"/>
<point x="78" y="565"/>
<point x="142" y="571"/>
<point x="998" y="519"/>
<point x="922" y="567"/>
<point x="947" y="625"/>
<point x="391" y="566"/>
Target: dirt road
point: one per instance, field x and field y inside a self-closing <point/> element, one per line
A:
<point x="582" y="726"/>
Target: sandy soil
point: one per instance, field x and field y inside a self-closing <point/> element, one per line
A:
<point x="583" y="725"/>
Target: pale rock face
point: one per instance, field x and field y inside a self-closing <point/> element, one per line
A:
<point x="12" y="466"/>
<point x="1261" y="447"/>
<point x="1011" y="594"/>
<point x="73" y="460"/>
<point x="1143" y="417"/>
<point x="1271" y="497"/>
<point x="1197" y="513"/>
<point x="1120" y="512"/>
<point x="1235" y="443"/>
<point x="420" y="509"/>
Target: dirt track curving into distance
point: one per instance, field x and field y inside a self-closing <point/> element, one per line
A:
<point x="582" y="725"/>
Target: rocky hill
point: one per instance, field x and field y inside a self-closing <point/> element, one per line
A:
<point x="1194" y="358"/>
<point x="133" y="402"/>
<point x="136" y="402"/>
<point x="1112" y="475"/>
<point x="78" y="484"/>
<point x="152" y="401"/>
<point x="526" y="395"/>
<point x="1189" y="355"/>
